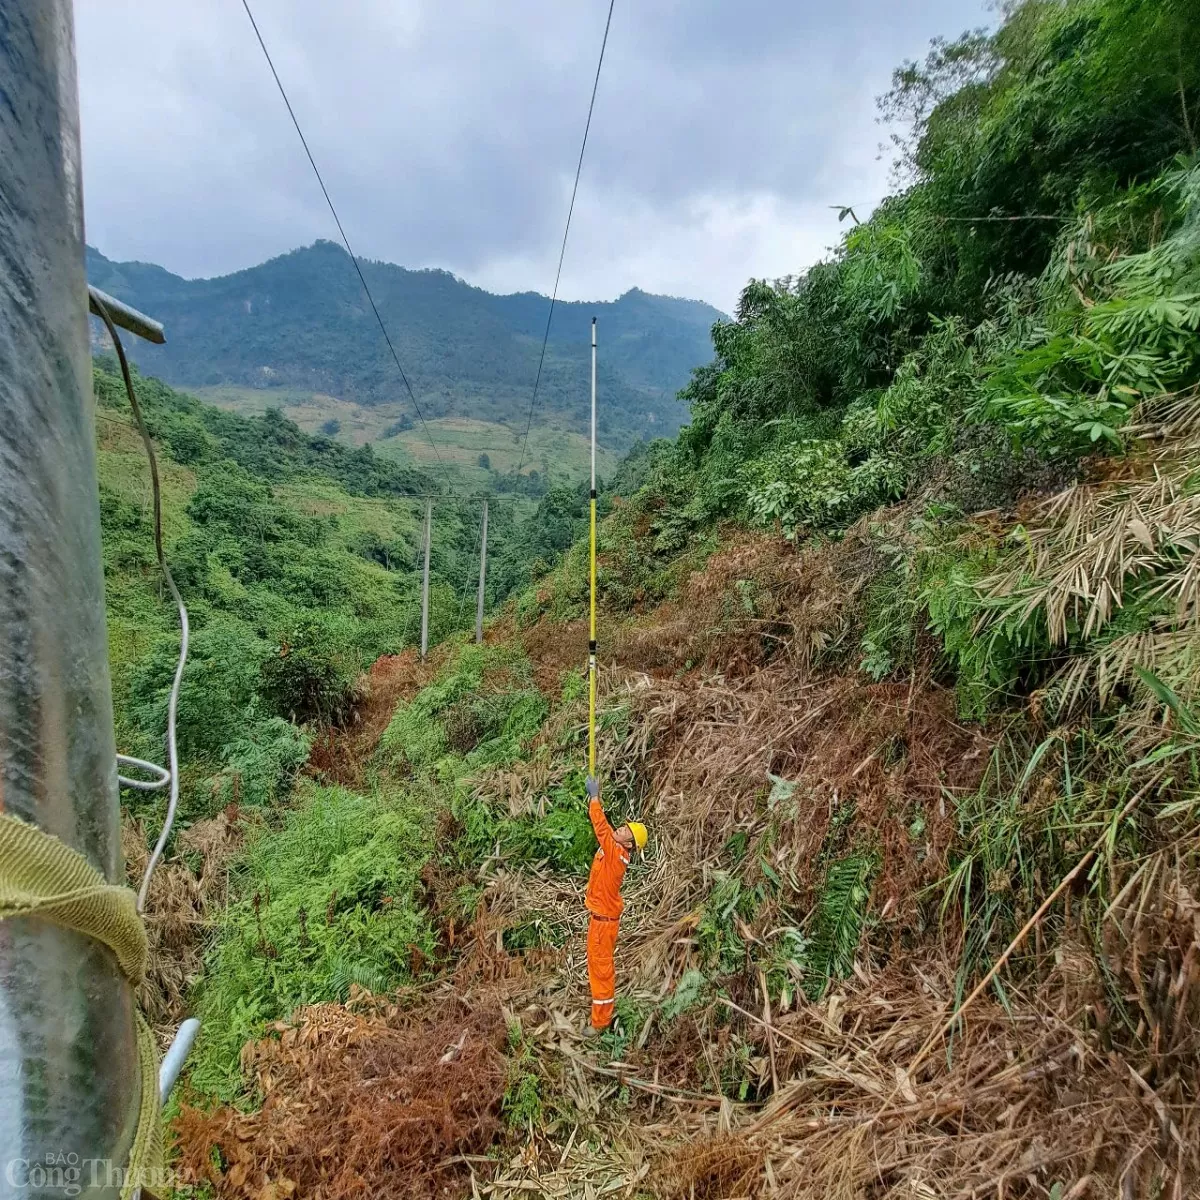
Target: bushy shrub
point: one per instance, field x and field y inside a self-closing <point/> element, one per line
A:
<point x="312" y="674"/>
<point x="261" y="765"/>
<point x="219" y="686"/>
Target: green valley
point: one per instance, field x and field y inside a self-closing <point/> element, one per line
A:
<point x="555" y="454"/>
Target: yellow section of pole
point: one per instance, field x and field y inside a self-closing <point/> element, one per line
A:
<point x="592" y="652"/>
<point x="592" y="572"/>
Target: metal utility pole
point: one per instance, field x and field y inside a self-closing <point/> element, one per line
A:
<point x="482" y="577"/>
<point x="69" y="1078"/>
<point x="425" y="581"/>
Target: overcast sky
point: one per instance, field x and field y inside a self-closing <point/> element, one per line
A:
<point x="448" y="132"/>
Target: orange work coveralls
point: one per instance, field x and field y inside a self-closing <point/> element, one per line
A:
<point x="603" y="901"/>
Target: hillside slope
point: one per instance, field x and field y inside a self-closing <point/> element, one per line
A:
<point x="298" y="559"/>
<point x="301" y="324"/>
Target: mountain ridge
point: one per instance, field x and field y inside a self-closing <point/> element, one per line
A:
<point x="300" y="322"/>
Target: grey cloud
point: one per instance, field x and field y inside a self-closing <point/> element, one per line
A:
<point x="448" y="131"/>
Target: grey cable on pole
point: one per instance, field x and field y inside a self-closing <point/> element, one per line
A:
<point x="161" y="775"/>
<point x="312" y="162"/>
<point x="173" y="700"/>
<point x="563" y="252"/>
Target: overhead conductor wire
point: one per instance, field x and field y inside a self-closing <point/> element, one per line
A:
<point x="172" y="770"/>
<point x="563" y="252"/>
<point x="346" y="241"/>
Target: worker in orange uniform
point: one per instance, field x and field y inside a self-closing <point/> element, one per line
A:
<point x="603" y="900"/>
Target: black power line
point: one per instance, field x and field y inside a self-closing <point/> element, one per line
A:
<point x="346" y="240"/>
<point x="563" y="252"/>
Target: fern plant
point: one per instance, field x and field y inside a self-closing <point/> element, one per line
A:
<point x="838" y="921"/>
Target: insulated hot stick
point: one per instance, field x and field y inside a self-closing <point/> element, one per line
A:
<point x="592" y="571"/>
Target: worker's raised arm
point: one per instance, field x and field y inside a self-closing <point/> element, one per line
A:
<point x="600" y="824"/>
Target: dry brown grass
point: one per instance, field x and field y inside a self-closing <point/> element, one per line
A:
<point x="890" y="751"/>
<point x="1023" y="1103"/>
<point x="186" y="892"/>
<point x="363" y="1099"/>
<point x="756" y="600"/>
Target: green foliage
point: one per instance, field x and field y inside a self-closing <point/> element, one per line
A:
<point x="811" y="483"/>
<point x="718" y="937"/>
<point x="533" y="932"/>
<point x="218" y="692"/>
<point x="1038" y="804"/>
<point x="559" y="520"/>
<point x="628" y="1018"/>
<point x="987" y="667"/>
<point x="887" y="640"/>
<point x="457" y="723"/>
<point x="483" y="711"/>
<point x="838" y="921"/>
<point x="558" y="835"/>
<point x="563" y="837"/>
<point x="312" y="675"/>
<point x="321" y="902"/>
<point x="689" y="993"/>
<point x="1118" y="330"/>
<point x="884" y="273"/>
<point x="522" y="1103"/>
<point x="261" y="765"/>
<point x="1033" y="281"/>
<point x="786" y="964"/>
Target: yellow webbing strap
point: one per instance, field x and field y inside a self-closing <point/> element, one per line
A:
<point x="146" y="1153"/>
<point x="42" y="876"/>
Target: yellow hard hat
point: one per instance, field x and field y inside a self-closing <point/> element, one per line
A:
<point x="639" y="834"/>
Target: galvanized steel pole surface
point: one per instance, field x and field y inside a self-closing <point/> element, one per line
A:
<point x="69" y="1083"/>
<point x="425" y="581"/>
<point x="482" y="577"/>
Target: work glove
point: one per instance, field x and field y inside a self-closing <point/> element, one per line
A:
<point x="593" y="787"/>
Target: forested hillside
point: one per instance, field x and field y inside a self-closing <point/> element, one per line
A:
<point x="902" y="670"/>
<point x="300" y="325"/>
<point x="299" y="559"/>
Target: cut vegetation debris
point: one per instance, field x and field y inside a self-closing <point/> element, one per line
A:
<point x="360" y="1100"/>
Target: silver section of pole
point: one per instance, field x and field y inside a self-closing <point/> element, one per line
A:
<point x="482" y="578"/>
<point x="425" y="581"/>
<point x="69" y="1081"/>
